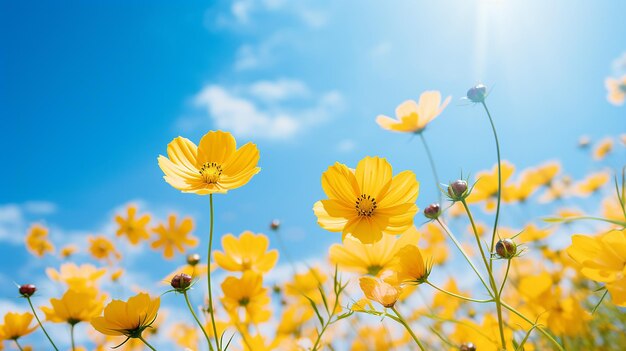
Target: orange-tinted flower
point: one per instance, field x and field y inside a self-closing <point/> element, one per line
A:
<point x="133" y="227"/>
<point x="412" y="117"/>
<point x="174" y="237"/>
<point x="101" y="248"/>
<point x="37" y="241"/>
<point x="380" y="291"/>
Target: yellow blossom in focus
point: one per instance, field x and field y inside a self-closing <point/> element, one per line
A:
<point x="380" y="291"/>
<point x="185" y="335"/>
<point x="37" y="240"/>
<point x="486" y="186"/>
<point x="248" y="252"/>
<point x="411" y="116"/>
<point x="591" y="183"/>
<point x="133" y="227"/>
<point x="411" y="265"/>
<point x="214" y="166"/>
<point x="16" y="325"/>
<point x="245" y="298"/>
<point x="68" y="250"/>
<point x="128" y="318"/>
<point x="101" y="248"/>
<point x="603" y="147"/>
<point x="616" y="90"/>
<point x="74" y="307"/>
<point x="77" y="277"/>
<point x="372" y="259"/>
<point x="174" y="237"/>
<point x="367" y="202"/>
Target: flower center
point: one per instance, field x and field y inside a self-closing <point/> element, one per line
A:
<point x="244" y="302"/>
<point x="365" y="205"/>
<point x="374" y="270"/>
<point x="211" y="172"/>
<point x="246" y="264"/>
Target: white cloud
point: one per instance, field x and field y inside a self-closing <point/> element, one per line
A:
<point x="274" y="110"/>
<point x="14" y="218"/>
<point x="40" y="207"/>
<point x="346" y="145"/>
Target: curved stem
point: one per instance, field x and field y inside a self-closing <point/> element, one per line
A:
<point x="217" y="343"/>
<point x="408" y="329"/>
<point x="506" y="275"/>
<point x="208" y="339"/>
<point x="577" y="218"/>
<point x="456" y="295"/>
<point x="495" y="223"/>
<point x="145" y="342"/>
<point x="432" y="165"/>
<point x="32" y="308"/>
<point x="18" y="345"/>
<point x="72" y="336"/>
<point x="467" y="258"/>
<point x="543" y="331"/>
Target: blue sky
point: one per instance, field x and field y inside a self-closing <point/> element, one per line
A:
<point x="91" y="94"/>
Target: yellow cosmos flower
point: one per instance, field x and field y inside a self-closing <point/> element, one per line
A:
<point x="248" y="252"/>
<point x="74" y="307"/>
<point x="68" y="251"/>
<point x="372" y="259"/>
<point x="37" y="240"/>
<point x="81" y="277"/>
<point x="306" y="284"/>
<point x="245" y="298"/>
<point x="411" y="265"/>
<point x="214" y="166"/>
<point x="603" y="147"/>
<point x="185" y="335"/>
<point x="591" y="183"/>
<point x="101" y="248"/>
<point x="174" y="236"/>
<point x="533" y="233"/>
<point x="411" y="116"/>
<point x="543" y="175"/>
<point x="616" y="90"/>
<point x="16" y="325"/>
<point x="486" y="187"/>
<point x="520" y="191"/>
<point x="128" y="318"/>
<point x="293" y="318"/>
<point x="133" y="226"/>
<point x="367" y="202"/>
<point x="380" y="291"/>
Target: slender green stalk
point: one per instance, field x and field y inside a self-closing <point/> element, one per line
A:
<point x="432" y="165"/>
<point x="217" y="342"/>
<point x="208" y="339"/>
<point x="467" y="258"/>
<point x="578" y="218"/>
<point x="145" y="342"/>
<point x="595" y="308"/>
<point x="458" y="296"/>
<point x="32" y="308"/>
<point x="506" y="275"/>
<point x="328" y="322"/>
<point x="543" y="331"/>
<point x="18" y="345"/>
<point x="406" y="326"/>
<point x="72" y="325"/>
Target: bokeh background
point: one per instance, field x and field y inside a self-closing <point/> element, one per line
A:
<point x="91" y="93"/>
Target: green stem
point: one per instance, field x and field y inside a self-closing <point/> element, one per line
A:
<point x="495" y="223"/>
<point x="328" y="322"/>
<point x="208" y="339"/>
<point x="72" y="335"/>
<point x="543" y="331"/>
<point x="506" y="275"/>
<point x="467" y="258"/>
<point x="217" y="343"/>
<point x="456" y="295"/>
<point x="571" y="219"/>
<point x="18" y="345"/>
<point x="32" y="308"/>
<point x="145" y="342"/>
<point x="432" y="165"/>
<point x="595" y="308"/>
<point x="408" y="329"/>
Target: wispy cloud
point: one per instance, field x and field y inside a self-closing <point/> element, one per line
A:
<point x="15" y="217"/>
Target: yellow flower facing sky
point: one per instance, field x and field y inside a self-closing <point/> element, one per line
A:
<point x="214" y="166"/>
<point x="592" y="183"/>
<point x="486" y="186"/>
<point x="74" y="307"/>
<point x="616" y="90"/>
<point x="411" y="116"/>
<point x="245" y="298"/>
<point x="368" y="201"/>
<point x="16" y="325"/>
<point x="171" y="236"/>
<point x="247" y="252"/>
<point x="603" y="147"/>
<point x="81" y="277"/>
<point x="411" y="265"/>
<point x="101" y="248"/>
<point x="134" y="227"/>
<point x="380" y="291"/>
<point x="128" y="318"/>
<point x="37" y="241"/>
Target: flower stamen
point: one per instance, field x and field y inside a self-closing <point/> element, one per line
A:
<point x="365" y="205"/>
<point x="211" y="172"/>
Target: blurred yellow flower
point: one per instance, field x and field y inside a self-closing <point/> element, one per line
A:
<point x="521" y="190"/>
<point x="214" y="166"/>
<point x="592" y="183"/>
<point x="603" y="147"/>
<point x="435" y="247"/>
<point x="37" y="240"/>
<point x="68" y="250"/>
<point x="184" y="335"/>
<point x="75" y="306"/>
<point x="117" y="274"/>
<point x="411" y="116"/>
<point x="532" y="233"/>
<point x="128" y="318"/>
<point x="380" y="291"/>
<point x="306" y="284"/>
<point x="16" y="325"/>
<point x="133" y="227"/>
<point x="293" y="318"/>
<point x="486" y="186"/>
<point x="81" y="277"/>
<point x="616" y="90"/>
<point x="372" y="259"/>
<point x="245" y="298"/>
<point x="375" y="338"/>
<point x="411" y="265"/>
<point x="172" y="236"/>
<point x="367" y="202"/>
<point x="101" y="248"/>
<point x="248" y="252"/>
<point x="543" y="174"/>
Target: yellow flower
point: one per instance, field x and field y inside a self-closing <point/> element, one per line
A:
<point x="306" y="284"/>
<point x="68" y="251"/>
<point x="248" y="252"/>
<point x="543" y="174"/>
<point x="129" y="318"/>
<point x="117" y="274"/>
<point x="198" y="271"/>
<point x="184" y="335"/>
<point x="101" y="248"/>
<point x="372" y="259"/>
<point x="37" y="240"/>
<point x="220" y="326"/>
<point x="435" y="246"/>
<point x="74" y="307"/>
<point x="77" y="277"/>
<point x="532" y="233"/>
<point x="527" y="184"/>
<point x="133" y="228"/>
<point x="591" y="183"/>
<point x="486" y="187"/>
<point x="375" y="338"/>
<point x="558" y="189"/>
<point x="412" y="117"/>
<point x="214" y="166"/>
<point x="247" y="296"/>
<point x="16" y="325"/>
<point x="293" y="318"/>
<point x="412" y="267"/>
<point x="367" y="202"/>
<point x="616" y="90"/>
<point x="603" y="147"/>
<point x="174" y="237"/>
<point x="380" y="291"/>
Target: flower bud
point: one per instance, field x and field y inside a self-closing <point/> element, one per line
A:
<point x="27" y="290"/>
<point x="478" y="93"/>
<point x="506" y="248"/>
<point x="181" y="282"/>
<point x="193" y="259"/>
<point x="457" y="190"/>
<point x="275" y="224"/>
<point x="468" y="346"/>
<point x="432" y="211"/>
